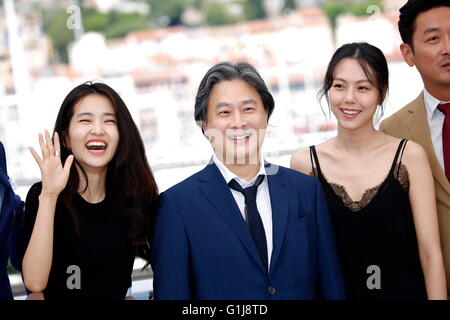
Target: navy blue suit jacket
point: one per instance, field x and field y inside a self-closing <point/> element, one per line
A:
<point x="202" y="248"/>
<point x="11" y="217"/>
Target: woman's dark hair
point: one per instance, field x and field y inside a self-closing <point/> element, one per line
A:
<point x="372" y="61"/>
<point x="227" y="71"/>
<point x="130" y="184"/>
<point x="409" y="13"/>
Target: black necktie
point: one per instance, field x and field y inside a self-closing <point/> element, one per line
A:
<point x="252" y="216"/>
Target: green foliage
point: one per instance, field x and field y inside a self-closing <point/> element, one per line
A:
<point x="125" y="26"/>
<point x="290" y="5"/>
<point x="55" y="25"/>
<point x="254" y="9"/>
<point x="360" y="9"/>
<point x="169" y="8"/>
<point x="94" y="20"/>
<point x="116" y="24"/>
<point x="357" y="8"/>
<point x="218" y="14"/>
<point x="112" y="25"/>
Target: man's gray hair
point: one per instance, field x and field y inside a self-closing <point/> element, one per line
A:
<point x="227" y="71"/>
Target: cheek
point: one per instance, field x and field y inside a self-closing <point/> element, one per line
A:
<point x="216" y="129"/>
<point x="115" y="137"/>
<point x="73" y="139"/>
<point x="372" y="101"/>
<point x="334" y="99"/>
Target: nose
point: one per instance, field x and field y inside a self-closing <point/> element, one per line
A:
<point x="97" y="128"/>
<point x="238" y="120"/>
<point x="446" y="46"/>
<point x="350" y="96"/>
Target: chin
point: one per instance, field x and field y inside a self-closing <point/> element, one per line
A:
<point x="95" y="164"/>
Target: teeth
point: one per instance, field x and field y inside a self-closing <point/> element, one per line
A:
<point x="96" y="144"/>
<point x="350" y="112"/>
<point x="239" y="137"/>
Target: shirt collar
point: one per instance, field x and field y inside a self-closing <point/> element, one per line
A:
<point x="431" y="104"/>
<point x="228" y="175"/>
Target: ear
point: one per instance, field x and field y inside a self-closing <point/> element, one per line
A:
<point x="203" y="125"/>
<point x="407" y="53"/>
<point x="66" y="142"/>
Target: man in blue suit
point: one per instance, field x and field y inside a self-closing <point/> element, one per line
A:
<point x="11" y="210"/>
<point x="242" y="228"/>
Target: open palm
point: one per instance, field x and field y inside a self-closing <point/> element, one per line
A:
<point x="54" y="174"/>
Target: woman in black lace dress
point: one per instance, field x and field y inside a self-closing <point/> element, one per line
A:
<point x="379" y="188"/>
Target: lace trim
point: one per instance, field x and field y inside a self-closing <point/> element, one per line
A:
<point x="402" y="176"/>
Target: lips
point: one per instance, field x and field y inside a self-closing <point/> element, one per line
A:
<point x="239" y="138"/>
<point x="350" y="113"/>
<point x="96" y="146"/>
<point x="446" y="65"/>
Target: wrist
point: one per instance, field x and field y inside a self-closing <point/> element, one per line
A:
<point x="45" y="195"/>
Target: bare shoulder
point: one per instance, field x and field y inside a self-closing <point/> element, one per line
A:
<point x="415" y="158"/>
<point x="414" y="152"/>
<point x="301" y="161"/>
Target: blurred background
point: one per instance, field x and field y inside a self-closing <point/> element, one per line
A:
<point x="155" y="52"/>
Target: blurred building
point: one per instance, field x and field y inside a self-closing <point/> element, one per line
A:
<point x="128" y="6"/>
<point x="158" y="71"/>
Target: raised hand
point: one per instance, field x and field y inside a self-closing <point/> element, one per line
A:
<point x="54" y="175"/>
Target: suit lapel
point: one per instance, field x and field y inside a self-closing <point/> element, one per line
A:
<point x="279" y="198"/>
<point x="420" y="132"/>
<point x="214" y="188"/>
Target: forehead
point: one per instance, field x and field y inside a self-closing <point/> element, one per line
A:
<point x="93" y="103"/>
<point x="438" y="18"/>
<point x="349" y="69"/>
<point x="232" y="92"/>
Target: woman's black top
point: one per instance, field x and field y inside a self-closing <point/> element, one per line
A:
<point x="376" y="237"/>
<point x="98" y="263"/>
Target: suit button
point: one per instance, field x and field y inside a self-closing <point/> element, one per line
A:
<point x="271" y="290"/>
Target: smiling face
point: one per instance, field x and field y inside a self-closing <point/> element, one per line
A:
<point x="431" y="50"/>
<point x="93" y="135"/>
<point x="236" y="122"/>
<point x="353" y="98"/>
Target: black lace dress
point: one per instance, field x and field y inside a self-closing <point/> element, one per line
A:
<point x="376" y="236"/>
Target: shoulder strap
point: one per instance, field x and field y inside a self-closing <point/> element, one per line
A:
<point x="315" y="163"/>
<point x="399" y="149"/>
<point x="401" y="155"/>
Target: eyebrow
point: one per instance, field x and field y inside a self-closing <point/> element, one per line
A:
<point x="242" y="103"/>
<point x="90" y="114"/>
<point x="359" y="81"/>
<point x="430" y="30"/>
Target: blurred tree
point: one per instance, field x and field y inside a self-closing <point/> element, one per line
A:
<point x="333" y="10"/>
<point x="56" y="28"/>
<point x="290" y="5"/>
<point x="121" y="24"/>
<point x="355" y="7"/>
<point x="217" y="14"/>
<point x="112" y="25"/>
<point x="254" y="9"/>
<point x="173" y="9"/>
<point x="94" y="20"/>
<point x="360" y="8"/>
